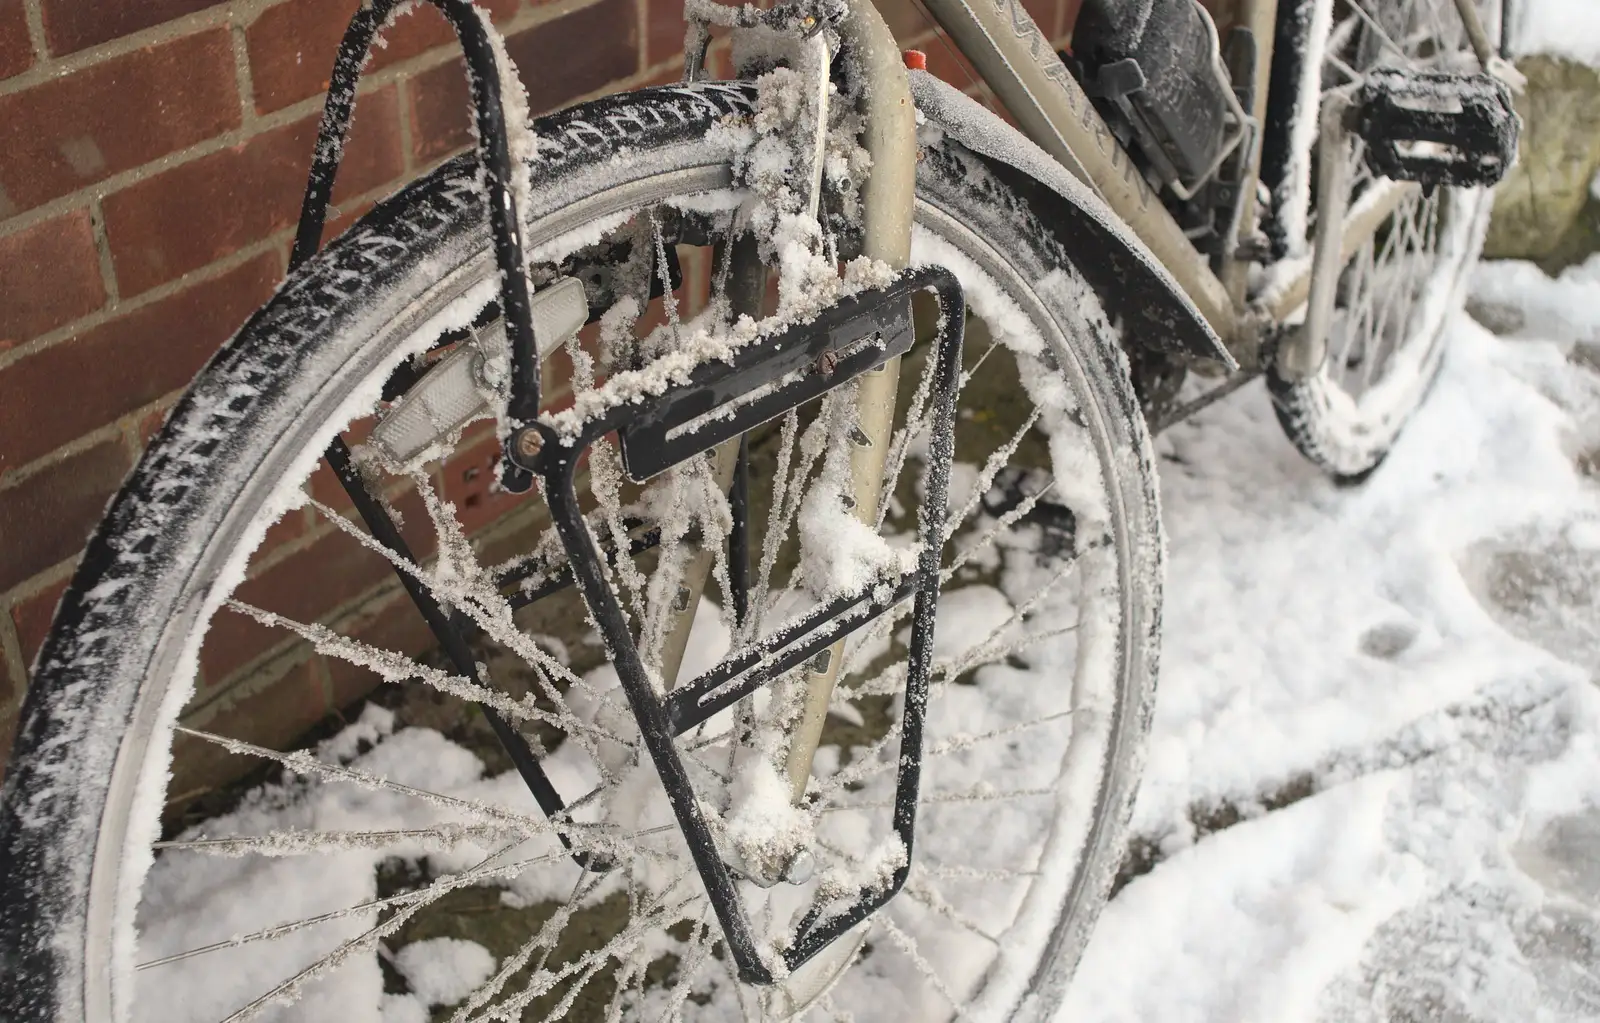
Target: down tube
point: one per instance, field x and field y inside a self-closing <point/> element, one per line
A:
<point x="1019" y="64"/>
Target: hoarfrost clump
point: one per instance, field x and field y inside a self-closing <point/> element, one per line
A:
<point x="763" y="822"/>
<point x="842" y="885"/>
<point x="840" y="553"/>
<point x="762" y="152"/>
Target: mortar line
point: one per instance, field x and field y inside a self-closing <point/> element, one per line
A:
<point x="243" y="81"/>
<point x="34" y="16"/>
<point x="102" y="247"/>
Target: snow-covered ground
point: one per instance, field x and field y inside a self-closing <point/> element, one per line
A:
<point x="1374" y="776"/>
<point x="1563" y="28"/>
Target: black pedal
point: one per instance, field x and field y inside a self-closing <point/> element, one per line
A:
<point x="1437" y="129"/>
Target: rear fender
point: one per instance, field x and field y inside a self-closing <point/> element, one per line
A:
<point x="1134" y="288"/>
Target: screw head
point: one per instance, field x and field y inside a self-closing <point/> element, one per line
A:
<point x="801" y="868"/>
<point x="827" y="362"/>
<point x="528" y="442"/>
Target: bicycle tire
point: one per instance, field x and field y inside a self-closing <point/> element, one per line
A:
<point x="79" y="805"/>
<point x="1347" y="416"/>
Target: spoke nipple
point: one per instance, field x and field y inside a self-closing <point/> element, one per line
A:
<point x="528" y="442"/>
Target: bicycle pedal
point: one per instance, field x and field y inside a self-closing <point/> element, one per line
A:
<point x="1436" y="128"/>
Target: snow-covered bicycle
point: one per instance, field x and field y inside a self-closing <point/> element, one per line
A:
<point x="863" y="518"/>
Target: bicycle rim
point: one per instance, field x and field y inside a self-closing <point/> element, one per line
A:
<point x="1076" y="797"/>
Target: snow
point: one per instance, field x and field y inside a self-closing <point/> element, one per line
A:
<point x="443" y="971"/>
<point x="1560" y="28"/>
<point x="1409" y="666"/>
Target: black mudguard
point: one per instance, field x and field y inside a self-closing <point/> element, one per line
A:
<point x="1133" y="286"/>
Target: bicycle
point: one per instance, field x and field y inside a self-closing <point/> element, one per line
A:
<point x="938" y="340"/>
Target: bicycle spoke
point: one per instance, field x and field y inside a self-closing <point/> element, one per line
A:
<point x="930" y="899"/>
<point x="484" y="870"/>
<point x="976" y="794"/>
<point x="297" y="843"/>
<point x="395" y="667"/>
<point x="963" y="872"/>
<point x="908" y="946"/>
<point x="997" y="460"/>
<point x="302" y="763"/>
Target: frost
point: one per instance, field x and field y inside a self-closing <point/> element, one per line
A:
<point x="763" y="823"/>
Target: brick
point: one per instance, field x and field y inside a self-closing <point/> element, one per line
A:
<point x="81" y="128"/>
<point x="292" y="45"/>
<point x="329" y="574"/>
<point x="664" y="31"/>
<point x="152" y="421"/>
<point x="270" y="709"/>
<point x="11" y="690"/>
<point x="49" y="275"/>
<point x="32" y="617"/>
<point x="16" y="49"/>
<point x="46" y="518"/>
<point x="560" y="60"/>
<point x="72" y="25"/>
<point x="163" y="227"/>
<point x="471" y="483"/>
<point x="123" y="364"/>
<point x="304" y="586"/>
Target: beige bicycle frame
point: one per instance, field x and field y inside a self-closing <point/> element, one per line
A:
<point x="1018" y="63"/>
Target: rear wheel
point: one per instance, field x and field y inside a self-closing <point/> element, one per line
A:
<point x="1399" y="289"/>
<point x="401" y="866"/>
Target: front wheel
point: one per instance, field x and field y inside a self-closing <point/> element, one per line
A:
<point x="1395" y="296"/>
<point x="402" y="867"/>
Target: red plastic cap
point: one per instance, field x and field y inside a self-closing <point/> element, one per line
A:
<point x="916" y="60"/>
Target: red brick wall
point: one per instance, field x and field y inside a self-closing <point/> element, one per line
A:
<point x="152" y="155"/>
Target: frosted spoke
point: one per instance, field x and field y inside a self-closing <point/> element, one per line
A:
<point x="395" y="667"/>
<point x="976" y="794"/>
<point x="296" y="843"/>
<point x="289" y="990"/>
<point x="997" y="460"/>
<point x="927" y="896"/>
<point x="962" y="872"/>
<point x="690" y="970"/>
<point x="900" y="444"/>
<point x="908" y="946"/>
<point x="303" y="763"/>
<point x="484" y="871"/>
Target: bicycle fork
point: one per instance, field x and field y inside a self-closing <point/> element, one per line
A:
<point x="887" y="199"/>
